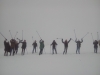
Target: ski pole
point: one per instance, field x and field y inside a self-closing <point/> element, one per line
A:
<point x="32" y="37"/>
<point x="92" y="37"/>
<point x="22" y="34"/>
<point x="72" y="39"/>
<point x="85" y="35"/>
<point x="11" y="34"/>
<point x="97" y="36"/>
<point x="2" y="35"/>
<point x="38" y="34"/>
<point x="75" y="33"/>
<point x="15" y="35"/>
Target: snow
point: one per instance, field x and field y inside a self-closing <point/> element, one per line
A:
<point x="86" y="63"/>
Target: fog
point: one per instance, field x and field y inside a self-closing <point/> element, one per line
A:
<point x="51" y="18"/>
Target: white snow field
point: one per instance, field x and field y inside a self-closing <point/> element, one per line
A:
<point x="86" y="63"/>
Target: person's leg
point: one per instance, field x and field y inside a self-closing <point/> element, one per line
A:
<point x="79" y="50"/>
<point x="76" y="50"/>
<point x="33" y="50"/>
<point x="94" y="49"/>
<point x="66" y="49"/>
<point x="55" y="51"/>
<point x="52" y="50"/>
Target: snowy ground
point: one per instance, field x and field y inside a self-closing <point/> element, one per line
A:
<point x="86" y="63"/>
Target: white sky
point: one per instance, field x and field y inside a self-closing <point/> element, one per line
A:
<point x="51" y="18"/>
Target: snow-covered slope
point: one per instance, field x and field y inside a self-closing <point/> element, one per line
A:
<point x="86" y="63"/>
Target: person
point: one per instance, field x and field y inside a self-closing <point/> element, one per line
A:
<point x="65" y="45"/>
<point x="12" y="41"/>
<point x="41" y="46"/>
<point x="95" y="46"/>
<point x="99" y="43"/>
<point x="5" y="47"/>
<point x="24" y="44"/>
<point x="16" y="46"/>
<point x="54" y="47"/>
<point x="34" y="46"/>
<point x="78" y="45"/>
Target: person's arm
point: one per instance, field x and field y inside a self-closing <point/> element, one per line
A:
<point x="81" y="40"/>
<point x="76" y="40"/>
<point x="62" y="41"/>
<point x="69" y="40"/>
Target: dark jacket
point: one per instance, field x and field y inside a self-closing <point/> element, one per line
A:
<point x="66" y="43"/>
<point x="23" y="45"/>
<point x="95" y="44"/>
<point x="12" y="43"/>
<point x="41" y="44"/>
<point x="54" y="44"/>
<point x="16" y="45"/>
<point x="34" y="44"/>
<point x="78" y="43"/>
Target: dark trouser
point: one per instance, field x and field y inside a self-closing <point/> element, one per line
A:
<point x="95" y="49"/>
<point x="78" y="50"/>
<point x="12" y="49"/>
<point x="65" y="50"/>
<point x="53" y="50"/>
<point x="23" y="51"/>
<point x="34" y="49"/>
<point x="41" y="50"/>
<point x="16" y="50"/>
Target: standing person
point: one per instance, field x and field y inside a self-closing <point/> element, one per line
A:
<point x="65" y="45"/>
<point x="34" y="46"/>
<point x="54" y="47"/>
<point x="12" y="41"/>
<point x="16" y="46"/>
<point x="41" y="46"/>
<point x="24" y="44"/>
<point x="99" y="43"/>
<point x="5" y="47"/>
<point x="78" y="45"/>
<point x="95" y="46"/>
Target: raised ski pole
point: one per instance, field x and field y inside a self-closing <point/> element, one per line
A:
<point x="85" y="35"/>
<point x="22" y="34"/>
<point x="92" y="37"/>
<point x="2" y="35"/>
<point x="97" y="36"/>
<point x="15" y="35"/>
<point x="75" y="34"/>
<point x="11" y="34"/>
<point x="38" y="34"/>
<point x="32" y="37"/>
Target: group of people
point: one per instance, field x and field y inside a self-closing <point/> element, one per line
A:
<point x="12" y="48"/>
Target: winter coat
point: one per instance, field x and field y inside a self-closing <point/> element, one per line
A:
<point x="34" y="44"/>
<point x="95" y="44"/>
<point x="7" y="46"/>
<point x="23" y="45"/>
<point x="41" y="44"/>
<point x="12" y="43"/>
<point x="54" y="44"/>
<point x="16" y="46"/>
<point x="79" y="43"/>
<point x="65" y="43"/>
